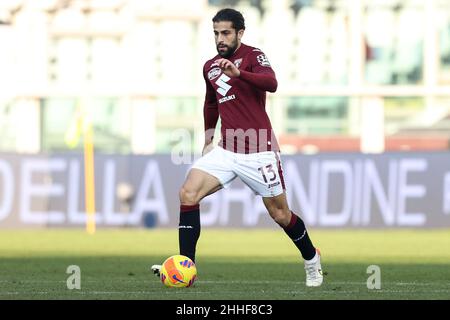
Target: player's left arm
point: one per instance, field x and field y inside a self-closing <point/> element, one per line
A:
<point x="261" y="75"/>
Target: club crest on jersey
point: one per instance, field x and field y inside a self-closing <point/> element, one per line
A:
<point x="214" y="73"/>
<point x="262" y="60"/>
<point x="238" y="62"/>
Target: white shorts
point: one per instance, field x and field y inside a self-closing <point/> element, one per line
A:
<point x="260" y="171"/>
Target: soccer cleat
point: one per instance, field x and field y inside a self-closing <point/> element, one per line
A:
<point x="156" y="268"/>
<point x="314" y="275"/>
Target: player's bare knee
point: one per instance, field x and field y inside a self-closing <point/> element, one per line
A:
<point x="188" y="197"/>
<point x="280" y="216"/>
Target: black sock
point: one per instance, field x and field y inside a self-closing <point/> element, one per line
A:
<point x="296" y="230"/>
<point x="189" y="230"/>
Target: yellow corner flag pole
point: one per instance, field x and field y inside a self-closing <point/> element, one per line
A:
<point x="81" y="125"/>
<point x="89" y="176"/>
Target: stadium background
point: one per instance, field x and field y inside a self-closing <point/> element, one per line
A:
<point x="100" y="99"/>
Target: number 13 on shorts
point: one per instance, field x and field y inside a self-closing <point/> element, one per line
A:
<point x="268" y="173"/>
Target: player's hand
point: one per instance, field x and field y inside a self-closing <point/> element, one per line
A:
<point x="207" y="148"/>
<point x="228" y="68"/>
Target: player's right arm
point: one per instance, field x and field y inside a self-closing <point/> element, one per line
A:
<point x="210" y="114"/>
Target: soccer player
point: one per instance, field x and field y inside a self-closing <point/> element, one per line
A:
<point x="236" y="83"/>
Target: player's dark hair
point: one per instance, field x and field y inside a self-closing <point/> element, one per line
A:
<point x="232" y="15"/>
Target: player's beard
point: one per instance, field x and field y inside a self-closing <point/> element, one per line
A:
<point x="230" y="50"/>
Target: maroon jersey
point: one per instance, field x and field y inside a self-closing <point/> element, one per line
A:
<point x="240" y="102"/>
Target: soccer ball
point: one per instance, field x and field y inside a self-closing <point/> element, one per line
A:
<point x="178" y="271"/>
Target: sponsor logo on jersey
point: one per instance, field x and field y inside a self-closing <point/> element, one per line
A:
<point x="224" y="87"/>
<point x="227" y="98"/>
<point x="238" y="62"/>
<point x="262" y="60"/>
<point x="214" y="73"/>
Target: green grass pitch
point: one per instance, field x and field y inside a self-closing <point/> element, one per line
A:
<point x="250" y="264"/>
